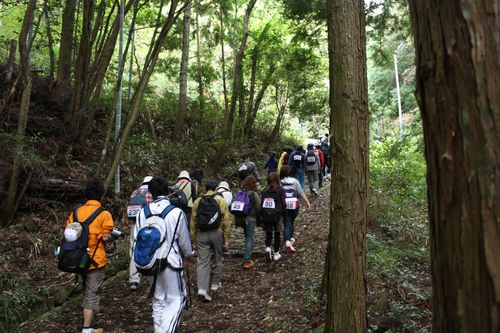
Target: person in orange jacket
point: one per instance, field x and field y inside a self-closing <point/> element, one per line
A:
<point x="99" y="232"/>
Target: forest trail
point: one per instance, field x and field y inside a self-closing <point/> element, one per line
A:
<point x="272" y="297"/>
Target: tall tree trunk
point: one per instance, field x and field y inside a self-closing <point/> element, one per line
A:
<point x="8" y="206"/>
<point x="11" y="61"/>
<point x="238" y="71"/>
<point x="149" y="65"/>
<point x="281" y="106"/>
<point x="223" y="58"/>
<point x="201" y="98"/>
<point x="181" y="113"/>
<point x="48" y="28"/>
<point x="458" y="75"/>
<point x="66" y="45"/>
<point x="346" y="294"/>
<point x="251" y="91"/>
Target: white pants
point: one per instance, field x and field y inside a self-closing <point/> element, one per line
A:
<point x="134" y="275"/>
<point x="168" y="301"/>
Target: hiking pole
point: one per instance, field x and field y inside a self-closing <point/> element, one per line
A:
<point x="189" y="301"/>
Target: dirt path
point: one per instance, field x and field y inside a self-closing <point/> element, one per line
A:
<point x="271" y="297"/>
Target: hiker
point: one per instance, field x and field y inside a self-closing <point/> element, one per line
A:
<point x="224" y="191"/>
<point x="293" y="191"/>
<point x="321" y="173"/>
<point x="186" y="185"/>
<point x="99" y="229"/>
<point x="272" y="163"/>
<point x="313" y="168"/>
<point x="138" y="199"/>
<point x="166" y="264"/>
<point x="248" y="168"/>
<point x="325" y="147"/>
<point x="210" y="230"/>
<point x="283" y="159"/>
<point x="246" y="207"/>
<point x="272" y="214"/>
<point x="296" y="160"/>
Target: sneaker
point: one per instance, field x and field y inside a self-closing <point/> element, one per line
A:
<point x="204" y="296"/>
<point x="248" y="264"/>
<point x="289" y="247"/>
<point x="292" y="240"/>
<point x="216" y="286"/>
<point x="269" y="255"/>
<point x="133" y="286"/>
<point x="315" y="192"/>
<point x="276" y="256"/>
<point x="92" y="330"/>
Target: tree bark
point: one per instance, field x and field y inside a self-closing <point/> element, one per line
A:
<point x="8" y="206"/>
<point x="281" y="106"/>
<point x="181" y="113"/>
<point x="201" y="97"/>
<point x="260" y="95"/>
<point x="458" y="75"/>
<point x="223" y="58"/>
<point x="50" y="40"/>
<point x="346" y="296"/>
<point x="11" y="61"/>
<point x="66" y="45"/>
<point x="238" y="72"/>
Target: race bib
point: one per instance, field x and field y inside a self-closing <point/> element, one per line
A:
<point x="237" y="206"/>
<point x="243" y="167"/>
<point x="269" y="203"/>
<point x="311" y="159"/>
<point x="297" y="157"/>
<point x="133" y="210"/>
<point x="292" y="203"/>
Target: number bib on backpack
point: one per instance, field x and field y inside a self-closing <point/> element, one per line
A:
<point x="133" y="210"/>
<point x="292" y="203"/>
<point x="297" y="157"/>
<point x="311" y="159"/>
<point x="269" y="203"/>
<point x="237" y="206"/>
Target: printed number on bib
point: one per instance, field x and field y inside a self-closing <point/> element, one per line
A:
<point x="311" y="159"/>
<point x="132" y="211"/>
<point x="237" y="206"/>
<point x="297" y="157"/>
<point x="269" y="203"/>
<point x="292" y="203"/>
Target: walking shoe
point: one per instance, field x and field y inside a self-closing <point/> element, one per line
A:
<point x="292" y="240"/>
<point x="216" y="286"/>
<point x="91" y="330"/>
<point x="248" y="264"/>
<point x="289" y="247"/>
<point x="133" y="286"/>
<point x="204" y="296"/>
<point x="276" y="256"/>
<point x="269" y="256"/>
<point x="315" y="192"/>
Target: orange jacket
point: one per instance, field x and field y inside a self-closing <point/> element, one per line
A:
<point x="102" y="225"/>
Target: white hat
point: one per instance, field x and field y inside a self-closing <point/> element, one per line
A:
<point x="147" y="179"/>
<point x="72" y="231"/>
<point x="223" y="185"/>
<point x="184" y="174"/>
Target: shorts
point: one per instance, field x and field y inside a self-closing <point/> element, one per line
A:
<point x="92" y="280"/>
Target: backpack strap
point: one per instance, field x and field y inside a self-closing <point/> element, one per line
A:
<point x="93" y="216"/>
<point x="165" y="212"/>
<point x="75" y="215"/>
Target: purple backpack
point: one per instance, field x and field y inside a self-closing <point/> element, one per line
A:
<point x="241" y="205"/>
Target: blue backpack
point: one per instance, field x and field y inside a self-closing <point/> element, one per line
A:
<point x="241" y="204"/>
<point x="150" y="249"/>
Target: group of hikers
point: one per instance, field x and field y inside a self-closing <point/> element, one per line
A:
<point x="171" y="224"/>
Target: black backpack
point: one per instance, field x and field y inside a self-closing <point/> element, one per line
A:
<point x="297" y="160"/>
<point x="73" y="256"/>
<point x="244" y="171"/>
<point x="271" y="209"/>
<point x="209" y="215"/>
<point x="310" y="157"/>
<point x="178" y="198"/>
<point x="325" y="148"/>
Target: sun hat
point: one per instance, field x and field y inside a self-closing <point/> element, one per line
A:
<point x="223" y="185"/>
<point x="184" y="174"/>
<point x="147" y="179"/>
